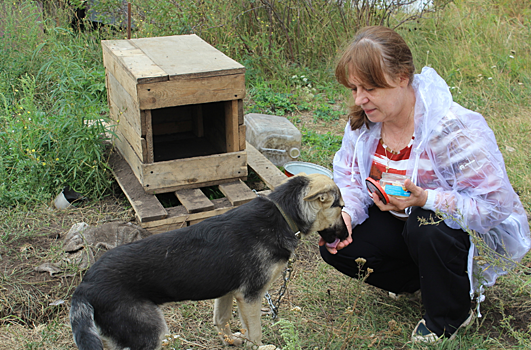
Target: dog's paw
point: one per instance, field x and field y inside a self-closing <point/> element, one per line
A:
<point x="236" y="339"/>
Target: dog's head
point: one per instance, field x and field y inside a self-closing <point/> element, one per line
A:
<point x="324" y="198"/>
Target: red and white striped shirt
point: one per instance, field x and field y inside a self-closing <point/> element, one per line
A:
<point x="397" y="163"/>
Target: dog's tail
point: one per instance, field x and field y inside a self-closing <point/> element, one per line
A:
<point x="82" y="322"/>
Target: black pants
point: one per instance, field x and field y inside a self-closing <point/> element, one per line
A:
<point x="406" y="256"/>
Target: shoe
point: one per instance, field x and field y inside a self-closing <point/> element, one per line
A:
<point x="421" y="334"/>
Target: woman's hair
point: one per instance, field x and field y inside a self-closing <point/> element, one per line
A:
<point x="374" y="52"/>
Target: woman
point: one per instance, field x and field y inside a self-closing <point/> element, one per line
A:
<point x="407" y="124"/>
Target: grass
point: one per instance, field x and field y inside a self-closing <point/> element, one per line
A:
<point x="52" y="110"/>
<point x="52" y="98"/>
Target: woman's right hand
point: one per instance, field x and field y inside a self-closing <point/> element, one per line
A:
<point x="348" y="222"/>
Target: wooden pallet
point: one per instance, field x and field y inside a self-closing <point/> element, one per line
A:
<point x="195" y="206"/>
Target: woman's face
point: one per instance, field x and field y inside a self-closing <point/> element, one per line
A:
<point x="380" y="104"/>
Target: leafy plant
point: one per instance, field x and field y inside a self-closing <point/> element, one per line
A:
<point x="326" y="113"/>
<point x="53" y="115"/>
<point x="319" y="148"/>
<point x="266" y="100"/>
<point x="289" y="335"/>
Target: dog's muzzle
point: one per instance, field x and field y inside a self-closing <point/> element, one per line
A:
<point x="335" y="234"/>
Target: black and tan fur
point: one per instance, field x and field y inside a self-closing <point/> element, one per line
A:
<point x="233" y="255"/>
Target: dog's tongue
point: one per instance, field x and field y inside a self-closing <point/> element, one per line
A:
<point x="333" y="244"/>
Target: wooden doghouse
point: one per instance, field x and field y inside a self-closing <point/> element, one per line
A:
<point x="177" y="104"/>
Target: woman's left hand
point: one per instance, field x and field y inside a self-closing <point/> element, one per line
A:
<point x="417" y="199"/>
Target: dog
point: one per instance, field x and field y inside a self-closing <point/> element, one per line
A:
<point x="233" y="255"/>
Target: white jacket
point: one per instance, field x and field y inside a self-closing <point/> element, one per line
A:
<point x="456" y="158"/>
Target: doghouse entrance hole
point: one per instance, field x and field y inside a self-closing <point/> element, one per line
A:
<point x="188" y="131"/>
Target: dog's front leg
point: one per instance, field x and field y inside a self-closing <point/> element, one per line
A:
<point x="222" y="317"/>
<point x="250" y="313"/>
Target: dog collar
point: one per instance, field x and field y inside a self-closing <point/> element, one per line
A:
<point x="292" y="225"/>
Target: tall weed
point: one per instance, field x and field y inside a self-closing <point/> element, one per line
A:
<point x="486" y="62"/>
<point x="53" y="102"/>
<point x="270" y="36"/>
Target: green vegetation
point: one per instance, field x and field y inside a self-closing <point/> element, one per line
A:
<point x="52" y="104"/>
<point x="54" y="119"/>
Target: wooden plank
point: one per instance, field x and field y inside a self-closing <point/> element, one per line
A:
<point x="141" y="67"/>
<point x="149" y="136"/>
<point x="231" y="126"/>
<point x="126" y="104"/>
<point x="127" y="131"/>
<point x="129" y="155"/>
<point x="144" y="69"/>
<point x="193" y="56"/>
<point x="177" y="216"/>
<point x="237" y="192"/>
<point x="191" y="91"/>
<point x="193" y="222"/>
<point x="195" y="185"/>
<point x="263" y="167"/>
<point x="144" y="149"/>
<point x="162" y="176"/>
<point x="116" y="68"/>
<point x="147" y="207"/>
<point x="241" y="118"/>
<point x="241" y="131"/>
<point x="194" y="200"/>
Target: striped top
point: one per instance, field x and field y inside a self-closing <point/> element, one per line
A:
<point x="397" y="162"/>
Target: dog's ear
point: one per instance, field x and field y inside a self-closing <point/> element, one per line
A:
<point x="291" y="177"/>
<point x="319" y="191"/>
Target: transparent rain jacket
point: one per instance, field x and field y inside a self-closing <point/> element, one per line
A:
<point x="455" y="157"/>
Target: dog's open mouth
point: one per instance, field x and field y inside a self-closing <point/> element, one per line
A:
<point x="334" y="244"/>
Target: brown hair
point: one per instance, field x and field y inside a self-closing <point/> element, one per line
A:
<point x="374" y="52"/>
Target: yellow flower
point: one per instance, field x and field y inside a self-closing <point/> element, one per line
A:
<point x="360" y="261"/>
<point x="56" y="159"/>
<point x="43" y="163"/>
<point x="33" y="150"/>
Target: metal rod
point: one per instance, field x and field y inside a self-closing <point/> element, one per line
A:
<point x="128" y="20"/>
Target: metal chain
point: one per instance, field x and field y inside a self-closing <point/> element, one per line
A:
<point x="286" y="275"/>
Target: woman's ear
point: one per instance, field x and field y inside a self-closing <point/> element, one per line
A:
<point x="403" y="80"/>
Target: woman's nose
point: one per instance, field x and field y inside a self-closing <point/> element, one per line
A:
<point x="360" y="97"/>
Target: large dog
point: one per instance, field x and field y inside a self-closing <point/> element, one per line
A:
<point x="233" y="255"/>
